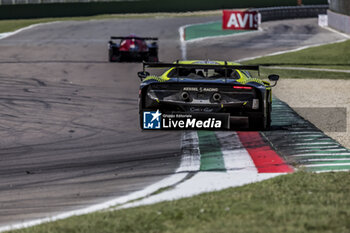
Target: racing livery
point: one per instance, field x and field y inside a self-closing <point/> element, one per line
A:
<point x="132" y="48"/>
<point x="208" y="87"/>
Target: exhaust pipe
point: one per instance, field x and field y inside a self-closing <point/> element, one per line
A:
<point x="185" y="96"/>
<point x="216" y="97"/>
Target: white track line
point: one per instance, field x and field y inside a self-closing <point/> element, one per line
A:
<point x="327" y="165"/>
<point x="8" y="34"/>
<point x="305" y="68"/>
<point x="321" y="154"/>
<point x="203" y="182"/>
<point x="323" y="149"/>
<point x="310" y="143"/>
<point x="335" y="159"/>
<point x="338" y="170"/>
<point x="291" y="50"/>
<point x="190" y="160"/>
<point x="337" y="32"/>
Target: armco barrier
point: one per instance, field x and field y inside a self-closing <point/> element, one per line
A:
<point x="18" y="11"/>
<point x="277" y="13"/>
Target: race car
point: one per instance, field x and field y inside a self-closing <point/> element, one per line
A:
<point x="207" y="88"/>
<point x="132" y="48"/>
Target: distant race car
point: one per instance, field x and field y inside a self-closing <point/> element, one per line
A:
<point x="207" y="88"/>
<point x="132" y="48"/>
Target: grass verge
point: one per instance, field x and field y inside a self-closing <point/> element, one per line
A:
<point x="211" y="29"/>
<point x="299" y="202"/>
<point x="305" y="74"/>
<point x="12" y="25"/>
<point x="333" y="56"/>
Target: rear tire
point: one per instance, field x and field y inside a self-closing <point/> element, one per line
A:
<point x="257" y="123"/>
<point x="153" y="55"/>
<point x="112" y="57"/>
<point x="268" y="111"/>
<point x="152" y="59"/>
<point x="268" y="117"/>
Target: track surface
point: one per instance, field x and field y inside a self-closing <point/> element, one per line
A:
<point x="69" y="119"/>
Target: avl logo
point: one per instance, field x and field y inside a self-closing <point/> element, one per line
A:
<point x="152" y="120"/>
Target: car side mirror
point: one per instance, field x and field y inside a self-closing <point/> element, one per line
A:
<point x="274" y="77"/>
<point x="142" y="74"/>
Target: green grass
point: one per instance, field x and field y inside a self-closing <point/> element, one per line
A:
<point x="299" y="202"/>
<point x="208" y="29"/>
<point x="304" y="74"/>
<point x="332" y="56"/>
<point x="335" y="67"/>
<point x="12" y="25"/>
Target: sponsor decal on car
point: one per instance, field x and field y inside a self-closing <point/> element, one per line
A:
<point x="178" y="121"/>
<point x="201" y="89"/>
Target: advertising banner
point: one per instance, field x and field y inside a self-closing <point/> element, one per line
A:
<point x="240" y="20"/>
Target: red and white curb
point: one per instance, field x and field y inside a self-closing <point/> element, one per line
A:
<point x="247" y="158"/>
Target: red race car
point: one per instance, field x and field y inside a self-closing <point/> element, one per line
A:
<point x="133" y="48"/>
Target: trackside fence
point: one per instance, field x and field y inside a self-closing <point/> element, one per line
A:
<point x="17" y="9"/>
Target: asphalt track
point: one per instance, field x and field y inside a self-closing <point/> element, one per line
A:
<point x="69" y="120"/>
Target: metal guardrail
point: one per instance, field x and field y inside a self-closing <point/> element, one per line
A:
<point x="290" y="12"/>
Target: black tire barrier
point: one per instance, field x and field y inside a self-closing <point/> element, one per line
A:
<point x="278" y="13"/>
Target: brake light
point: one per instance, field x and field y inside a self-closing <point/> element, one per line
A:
<point x="242" y="87"/>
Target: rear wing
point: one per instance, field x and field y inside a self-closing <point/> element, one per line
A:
<point x="132" y="37"/>
<point x="199" y="66"/>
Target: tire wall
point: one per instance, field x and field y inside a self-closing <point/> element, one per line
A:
<point x="20" y="11"/>
<point x="290" y="12"/>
